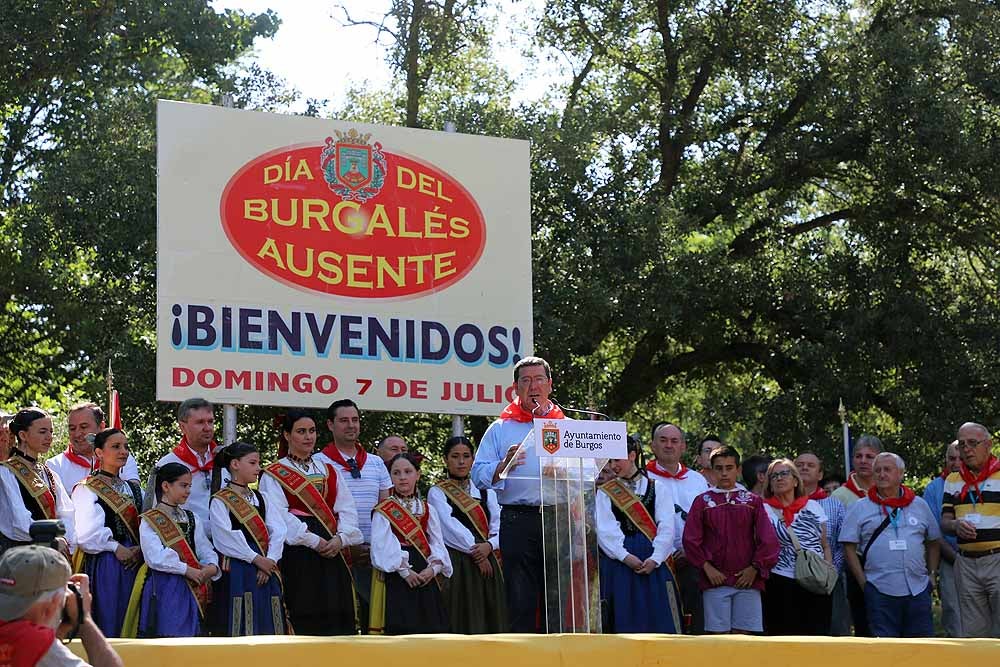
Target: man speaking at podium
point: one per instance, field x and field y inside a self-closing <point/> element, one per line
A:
<point x="520" y="516"/>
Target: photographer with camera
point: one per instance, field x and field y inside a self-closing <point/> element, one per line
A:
<point x="40" y="605"/>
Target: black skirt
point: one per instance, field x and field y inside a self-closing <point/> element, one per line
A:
<point x="319" y="592"/>
<point x="413" y="611"/>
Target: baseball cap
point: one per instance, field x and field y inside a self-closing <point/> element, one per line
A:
<point x="26" y="573"/>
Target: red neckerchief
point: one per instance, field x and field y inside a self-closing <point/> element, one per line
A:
<point x="853" y="487"/>
<point x="515" y="412"/>
<point x="818" y="494"/>
<point x="945" y="472"/>
<point x="73" y="457"/>
<point x="788" y="512"/>
<point x="655" y="468"/>
<point x="184" y="452"/>
<point x="360" y="456"/>
<point x="973" y="481"/>
<point x="902" y="500"/>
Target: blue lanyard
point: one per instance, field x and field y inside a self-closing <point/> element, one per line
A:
<point x="894" y="520"/>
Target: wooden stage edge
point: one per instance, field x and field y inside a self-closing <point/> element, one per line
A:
<point x="553" y="651"/>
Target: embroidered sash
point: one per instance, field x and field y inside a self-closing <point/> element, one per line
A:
<point x="299" y="486"/>
<point x="631" y="506"/>
<point x="36" y="487"/>
<point x="123" y="506"/>
<point x="248" y="516"/>
<point x="173" y="538"/>
<point x="405" y="525"/>
<point x="469" y="505"/>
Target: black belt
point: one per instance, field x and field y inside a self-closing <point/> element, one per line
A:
<point x="521" y="509"/>
<point x="979" y="554"/>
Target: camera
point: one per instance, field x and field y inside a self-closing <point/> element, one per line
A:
<point x="51" y="533"/>
<point x="47" y="532"/>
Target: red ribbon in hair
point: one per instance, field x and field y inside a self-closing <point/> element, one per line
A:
<point x="517" y="413"/>
<point x="973" y="481"/>
<point x="788" y="512"/>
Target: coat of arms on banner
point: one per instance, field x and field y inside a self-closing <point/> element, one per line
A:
<point x="353" y="168"/>
<point x="550" y="437"/>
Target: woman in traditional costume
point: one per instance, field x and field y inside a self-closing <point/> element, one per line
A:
<point x="180" y="559"/>
<point x="107" y="528"/>
<point x="249" y="540"/>
<point x="408" y="553"/>
<point x="31" y="491"/>
<point x="470" y="526"/>
<point x="321" y="522"/>
<point x="635" y="533"/>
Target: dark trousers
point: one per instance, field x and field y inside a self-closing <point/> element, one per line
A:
<point x="790" y="609"/>
<point x="523" y="567"/>
<point x="905" y="616"/>
<point x="859" y="614"/>
<point x="694" y="611"/>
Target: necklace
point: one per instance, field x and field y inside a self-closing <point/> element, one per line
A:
<point x="633" y="481"/>
<point x="412" y="504"/>
<point x="176" y="512"/>
<point x="117" y="482"/>
<point x="244" y="491"/>
<point x="464" y="483"/>
<point x="305" y="465"/>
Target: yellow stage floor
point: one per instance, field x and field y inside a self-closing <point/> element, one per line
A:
<point x="555" y="651"/>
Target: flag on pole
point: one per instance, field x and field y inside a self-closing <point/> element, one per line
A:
<point x="114" y="406"/>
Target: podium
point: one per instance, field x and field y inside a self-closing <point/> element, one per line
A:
<point x="566" y="473"/>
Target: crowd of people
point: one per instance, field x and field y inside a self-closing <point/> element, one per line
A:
<point x="334" y="540"/>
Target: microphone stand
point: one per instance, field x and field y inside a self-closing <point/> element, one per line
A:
<point x="592" y="413"/>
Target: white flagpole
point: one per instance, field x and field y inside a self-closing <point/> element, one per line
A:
<point x="847" y="439"/>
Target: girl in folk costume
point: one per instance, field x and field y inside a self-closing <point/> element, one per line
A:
<point x="408" y="553"/>
<point x="250" y="540"/>
<point x="107" y="527"/>
<point x="171" y="592"/>
<point x="635" y="532"/>
<point x="470" y="525"/>
<point x="31" y="492"/>
<point x="320" y="521"/>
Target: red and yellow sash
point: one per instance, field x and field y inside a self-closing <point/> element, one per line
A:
<point x="406" y="526"/>
<point x="37" y="487"/>
<point x="173" y="538"/>
<point x="248" y="516"/>
<point x="123" y="506"/>
<point x="298" y="485"/>
<point x="469" y="505"/>
<point x="631" y="506"/>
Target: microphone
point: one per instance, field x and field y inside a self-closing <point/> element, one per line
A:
<point x="537" y="405"/>
<point x="592" y="413"/>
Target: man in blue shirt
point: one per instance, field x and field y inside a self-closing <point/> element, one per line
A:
<point x="951" y="617"/>
<point x="897" y="537"/>
<point x="518" y="490"/>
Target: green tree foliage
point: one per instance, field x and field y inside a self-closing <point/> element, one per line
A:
<point x="748" y="209"/>
<point x="79" y="82"/>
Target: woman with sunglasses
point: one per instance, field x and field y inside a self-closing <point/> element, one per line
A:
<point x="789" y="609"/>
<point x="321" y="522"/>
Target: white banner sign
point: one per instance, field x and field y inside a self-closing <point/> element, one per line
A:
<point x="303" y="260"/>
<point x="577" y="438"/>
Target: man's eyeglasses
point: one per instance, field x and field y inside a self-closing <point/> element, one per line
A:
<point x="781" y="474"/>
<point x="969" y="444"/>
<point x="352" y="465"/>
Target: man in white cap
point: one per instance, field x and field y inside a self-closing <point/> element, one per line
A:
<point x="33" y="595"/>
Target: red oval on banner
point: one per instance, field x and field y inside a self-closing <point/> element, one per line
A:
<point x="352" y="219"/>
